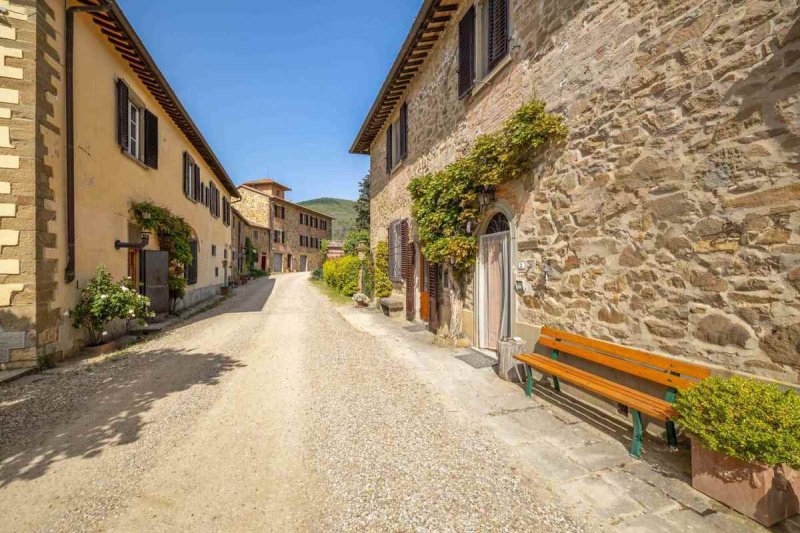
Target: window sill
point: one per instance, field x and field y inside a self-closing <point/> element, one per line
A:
<point x="134" y="159"/>
<point x="489" y="78"/>
<point x="396" y="168"/>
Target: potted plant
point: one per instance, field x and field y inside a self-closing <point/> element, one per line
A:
<point x="361" y="299"/>
<point x="103" y="300"/>
<point x="745" y="445"/>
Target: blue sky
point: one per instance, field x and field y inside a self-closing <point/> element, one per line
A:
<point x="279" y="89"/>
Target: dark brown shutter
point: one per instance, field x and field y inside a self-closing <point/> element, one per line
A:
<point x="433" y="296"/>
<point x="389" y="150"/>
<point x="407" y="269"/>
<point x="192" y="269"/>
<point x="187" y="175"/>
<point x="122" y="114"/>
<point x="150" y="139"/>
<point x="466" y="52"/>
<point x="498" y="31"/>
<point x="403" y="131"/>
<point x="198" y="185"/>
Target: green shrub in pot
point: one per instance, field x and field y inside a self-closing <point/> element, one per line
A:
<point x="747" y="419"/>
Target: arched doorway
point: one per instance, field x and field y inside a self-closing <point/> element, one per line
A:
<point x="494" y="282"/>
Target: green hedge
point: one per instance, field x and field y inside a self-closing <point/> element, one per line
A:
<point x="743" y="418"/>
<point x="383" y="285"/>
<point x="341" y="274"/>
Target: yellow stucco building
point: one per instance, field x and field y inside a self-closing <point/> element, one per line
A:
<point x="88" y="126"/>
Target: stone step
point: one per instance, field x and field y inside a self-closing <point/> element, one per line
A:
<point x="146" y="329"/>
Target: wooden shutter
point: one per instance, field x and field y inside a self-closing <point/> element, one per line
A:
<point x="466" y="52"/>
<point x="403" y="131"/>
<point x="433" y="296"/>
<point x="198" y="190"/>
<point x="407" y="270"/>
<point x="150" y="139"/>
<point x="187" y="175"/>
<point x="122" y="114"/>
<point x="404" y="252"/>
<point x="192" y="270"/>
<point x="498" y="31"/>
<point x="389" y="163"/>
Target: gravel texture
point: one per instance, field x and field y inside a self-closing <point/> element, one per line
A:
<point x="270" y="413"/>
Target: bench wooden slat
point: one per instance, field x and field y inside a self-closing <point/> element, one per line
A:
<point x="653" y="407"/>
<point x="671" y="365"/>
<point x="549" y="365"/>
<point x="633" y="369"/>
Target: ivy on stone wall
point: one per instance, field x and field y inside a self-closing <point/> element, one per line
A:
<point x="445" y="203"/>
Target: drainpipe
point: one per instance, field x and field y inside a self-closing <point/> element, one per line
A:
<point x="69" y="274"/>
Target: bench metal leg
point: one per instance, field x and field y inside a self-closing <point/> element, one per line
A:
<point x="556" y="382"/>
<point x="672" y="434"/>
<point x="638" y="431"/>
<point x="529" y="382"/>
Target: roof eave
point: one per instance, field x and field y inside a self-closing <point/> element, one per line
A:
<point x="424" y="14"/>
<point x="131" y="34"/>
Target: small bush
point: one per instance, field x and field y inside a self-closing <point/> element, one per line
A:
<point x="382" y="283"/>
<point x="341" y="274"/>
<point x="316" y="274"/>
<point x="257" y="273"/>
<point x="744" y="418"/>
<point x="103" y="300"/>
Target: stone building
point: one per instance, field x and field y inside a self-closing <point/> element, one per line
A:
<point x="259" y="237"/>
<point x="296" y="231"/>
<point x="77" y="147"/>
<point x="669" y="221"/>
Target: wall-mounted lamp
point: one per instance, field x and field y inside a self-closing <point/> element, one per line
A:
<point x="136" y="245"/>
<point x="485" y="198"/>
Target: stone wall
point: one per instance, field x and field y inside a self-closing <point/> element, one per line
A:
<point x="18" y="168"/>
<point x="257" y="207"/>
<point x="670" y="218"/>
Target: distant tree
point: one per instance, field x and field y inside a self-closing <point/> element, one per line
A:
<point x="362" y="205"/>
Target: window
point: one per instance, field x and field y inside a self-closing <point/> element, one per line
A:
<point x="395" y="251"/>
<point x="216" y="272"/>
<point x="280" y="211"/>
<point x="188" y="176"/>
<point x="279" y="237"/>
<point x="133" y="130"/>
<point x="137" y="128"/>
<point x="255" y="234"/>
<point x="483" y="42"/>
<point x="397" y="140"/>
<point x="213" y="250"/>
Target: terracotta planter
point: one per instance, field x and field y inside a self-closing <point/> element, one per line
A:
<point x="362" y="304"/>
<point x="765" y="494"/>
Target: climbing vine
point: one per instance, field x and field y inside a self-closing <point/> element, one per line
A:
<point x="445" y="204"/>
<point x="173" y="232"/>
<point x="174" y="235"/>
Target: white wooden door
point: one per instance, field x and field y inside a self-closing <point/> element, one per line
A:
<point x="493" y="289"/>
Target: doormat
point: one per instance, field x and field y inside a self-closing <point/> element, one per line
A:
<point x="416" y="328"/>
<point x="477" y="359"/>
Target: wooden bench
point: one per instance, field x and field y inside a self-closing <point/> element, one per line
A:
<point x="667" y="372"/>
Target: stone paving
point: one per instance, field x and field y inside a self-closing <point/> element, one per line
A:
<point x="578" y="451"/>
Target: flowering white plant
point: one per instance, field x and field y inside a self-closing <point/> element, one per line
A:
<point x="360" y="298"/>
<point x="103" y="300"/>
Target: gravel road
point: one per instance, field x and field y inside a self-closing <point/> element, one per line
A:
<point x="268" y="412"/>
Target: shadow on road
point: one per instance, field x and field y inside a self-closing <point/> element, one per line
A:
<point x="113" y="399"/>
